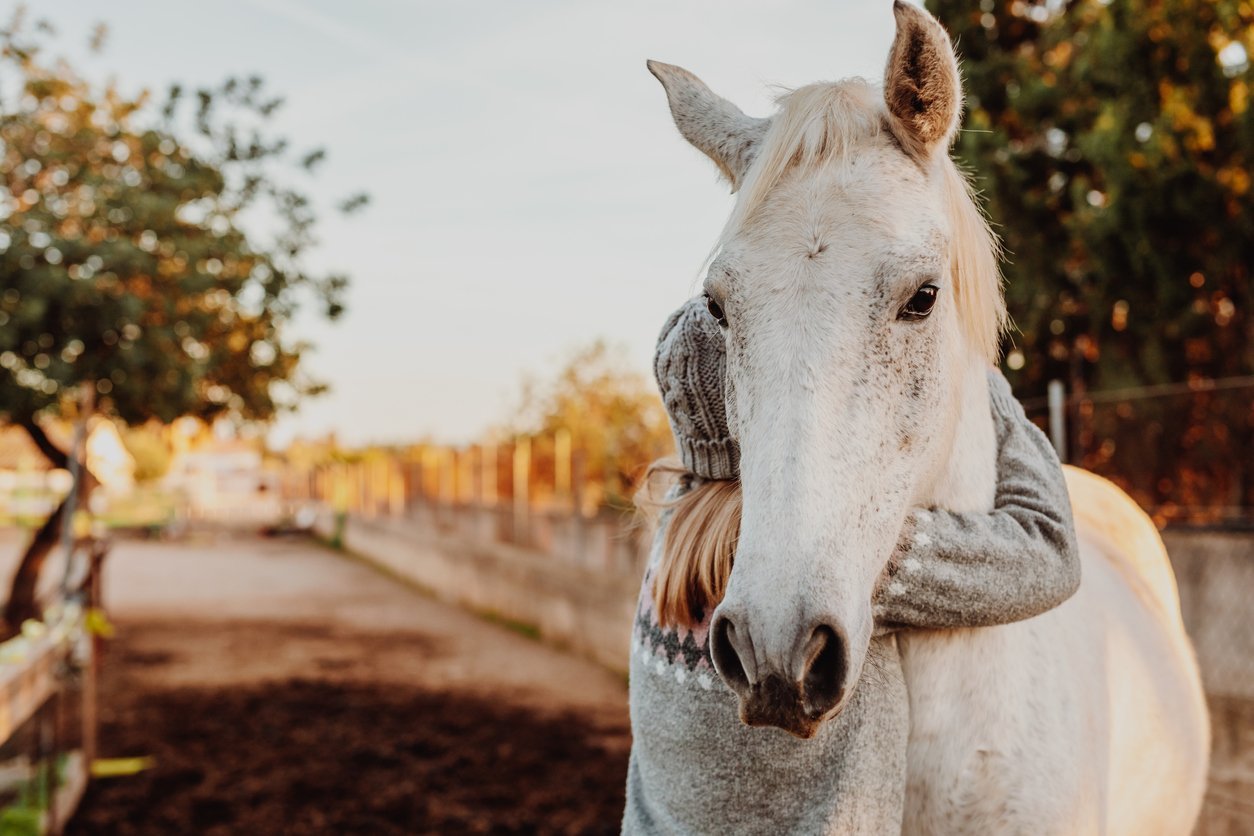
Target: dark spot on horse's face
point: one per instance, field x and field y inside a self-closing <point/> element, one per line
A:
<point x="917" y="382"/>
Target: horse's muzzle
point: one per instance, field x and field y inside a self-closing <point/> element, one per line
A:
<point x="777" y="702"/>
<point x="767" y="697"/>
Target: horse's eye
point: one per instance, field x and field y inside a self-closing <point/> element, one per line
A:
<point x="715" y="311"/>
<point x="920" y="304"/>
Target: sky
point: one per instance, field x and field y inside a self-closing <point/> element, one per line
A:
<point x="529" y="192"/>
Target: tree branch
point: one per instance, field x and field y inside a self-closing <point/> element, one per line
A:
<point x="52" y="453"/>
<point x="22" y="602"/>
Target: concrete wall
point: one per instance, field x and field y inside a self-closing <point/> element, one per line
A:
<point x="1215" y="573"/>
<point x="584" y="609"/>
<point x="588" y="605"/>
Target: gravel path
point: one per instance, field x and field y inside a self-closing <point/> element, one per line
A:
<point x="303" y="589"/>
<point x="284" y="688"/>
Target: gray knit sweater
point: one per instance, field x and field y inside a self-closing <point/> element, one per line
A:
<point x="695" y="768"/>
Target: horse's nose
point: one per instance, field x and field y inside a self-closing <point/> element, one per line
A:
<point x="793" y="692"/>
<point x="825" y="662"/>
<point x="731" y="650"/>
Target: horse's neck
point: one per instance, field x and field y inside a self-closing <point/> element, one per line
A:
<point x="963" y="480"/>
<point x="966" y="476"/>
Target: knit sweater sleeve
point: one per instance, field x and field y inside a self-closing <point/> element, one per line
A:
<point x="980" y="569"/>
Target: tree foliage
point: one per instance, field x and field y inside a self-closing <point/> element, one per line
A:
<point x="1113" y="141"/>
<point x="125" y="263"/>
<point x="149" y="450"/>
<point x="132" y="259"/>
<point x="615" y="418"/>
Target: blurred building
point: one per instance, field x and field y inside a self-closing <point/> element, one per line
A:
<point x="222" y="480"/>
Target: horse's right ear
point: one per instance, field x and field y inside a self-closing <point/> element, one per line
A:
<point x="711" y="123"/>
<point x="922" y="88"/>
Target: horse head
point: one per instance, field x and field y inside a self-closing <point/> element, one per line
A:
<point x="857" y="287"/>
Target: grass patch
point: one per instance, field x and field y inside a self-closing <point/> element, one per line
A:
<point x="522" y="628"/>
<point x="375" y="566"/>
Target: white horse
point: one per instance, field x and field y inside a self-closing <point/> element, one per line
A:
<point x="859" y="288"/>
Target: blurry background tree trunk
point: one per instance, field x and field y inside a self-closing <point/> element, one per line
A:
<point x="21" y="603"/>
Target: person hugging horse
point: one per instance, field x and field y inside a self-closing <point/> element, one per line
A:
<point x="694" y="766"/>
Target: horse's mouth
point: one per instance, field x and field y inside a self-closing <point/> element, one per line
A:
<point x="777" y="702"/>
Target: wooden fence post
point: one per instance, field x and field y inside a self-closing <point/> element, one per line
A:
<point x="362" y="476"/>
<point x="465" y="477"/>
<point x="522" y="485"/>
<point x="431" y="481"/>
<point x="579" y="524"/>
<point x="381" y="487"/>
<point x="488" y="463"/>
<point x="396" y="488"/>
<point x="446" y="486"/>
<point x="561" y="467"/>
<point x="577" y="482"/>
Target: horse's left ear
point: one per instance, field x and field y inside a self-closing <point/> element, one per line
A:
<point x="922" y="87"/>
<point x="711" y="123"/>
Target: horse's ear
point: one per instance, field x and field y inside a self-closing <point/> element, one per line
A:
<point x="711" y="123"/>
<point x="922" y="87"/>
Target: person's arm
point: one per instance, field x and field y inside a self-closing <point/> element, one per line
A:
<point x="980" y="569"/>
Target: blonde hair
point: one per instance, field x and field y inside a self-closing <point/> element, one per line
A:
<point x="974" y="258"/>
<point x="698" y="545"/>
<point x="816" y="124"/>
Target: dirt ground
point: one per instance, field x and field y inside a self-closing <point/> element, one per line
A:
<point x="283" y="689"/>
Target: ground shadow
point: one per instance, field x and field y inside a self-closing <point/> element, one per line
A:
<point x="313" y="756"/>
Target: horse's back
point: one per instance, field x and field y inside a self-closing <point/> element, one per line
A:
<point x="1113" y="524"/>
<point x="1089" y="718"/>
<point x="1159" y="730"/>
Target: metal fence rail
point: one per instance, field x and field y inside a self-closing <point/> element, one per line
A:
<point x="1184" y="451"/>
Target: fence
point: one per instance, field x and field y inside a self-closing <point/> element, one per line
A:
<point x="483" y="494"/>
<point x="48" y="703"/>
<point x="1183" y="451"/>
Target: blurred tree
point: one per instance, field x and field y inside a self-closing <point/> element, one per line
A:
<point x="124" y="261"/>
<point x="615" y="418"/>
<point x="1113" y="142"/>
<point x="150" y="451"/>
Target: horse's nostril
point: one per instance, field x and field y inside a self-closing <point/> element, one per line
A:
<point x="824" y="681"/>
<point x="727" y="658"/>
